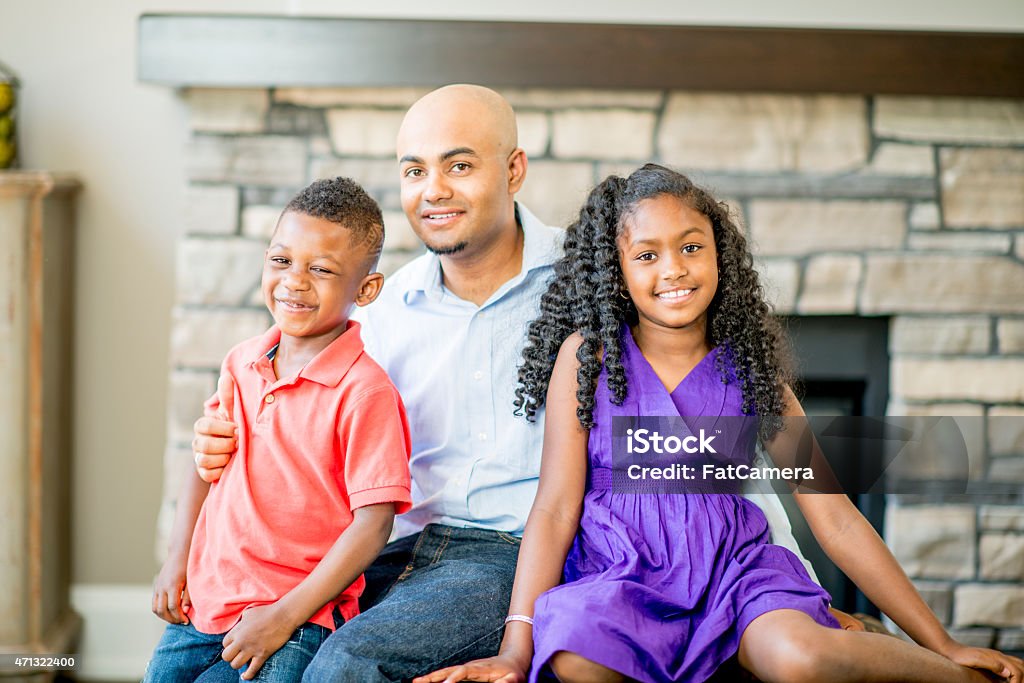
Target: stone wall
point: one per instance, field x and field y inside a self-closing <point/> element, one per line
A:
<point x="909" y="208"/>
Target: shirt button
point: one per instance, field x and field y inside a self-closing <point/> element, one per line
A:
<point x="482" y="436"/>
<point x="478" y="375"/>
<point x="269" y="398"/>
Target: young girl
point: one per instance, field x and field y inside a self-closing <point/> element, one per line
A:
<point x="656" y="309"/>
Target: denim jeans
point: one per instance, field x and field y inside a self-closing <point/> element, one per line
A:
<point x="433" y="599"/>
<point x="184" y="654"/>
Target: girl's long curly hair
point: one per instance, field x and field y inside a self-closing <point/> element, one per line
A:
<point x="586" y="295"/>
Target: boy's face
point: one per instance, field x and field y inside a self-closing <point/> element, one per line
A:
<point x="312" y="274"/>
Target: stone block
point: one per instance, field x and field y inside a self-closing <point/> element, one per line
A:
<point x="379" y="177"/>
<point x="937" y="283"/>
<point x="932" y="541"/>
<point x="227" y="110"/>
<point x="390" y="262"/>
<point x="925" y="216"/>
<point x="558" y="98"/>
<point x="555" y="190"/>
<point x="830" y="286"/>
<point x="342" y="97"/>
<point x="1008" y="469"/>
<point x="936" y="455"/>
<point x="982" y="188"/>
<point x="1006" y="430"/>
<point x="811" y="133"/>
<point x="287" y="119"/>
<point x="988" y="605"/>
<point x="950" y="119"/>
<point x="1001" y="557"/>
<point x="947" y="335"/>
<point x="895" y="159"/>
<point x="186" y="394"/>
<point x="603" y="134"/>
<point x="201" y="338"/>
<point x="398" y="234"/>
<point x="780" y="278"/>
<point x="898" y="408"/>
<point x="1002" y="517"/>
<point x="364" y="132"/>
<point x="269" y="160"/>
<point x="974" y="637"/>
<point x="260" y="221"/>
<point x="1010" y="333"/>
<point x="218" y="271"/>
<point x="808" y="227"/>
<point x="961" y="242"/>
<point x="1018" y="247"/>
<point x="1010" y="640"/>
<point x="534" y="133"/>
<point x="992" y="380"/>
<point x="211" y="210"/>
<point x="938" y="595"/>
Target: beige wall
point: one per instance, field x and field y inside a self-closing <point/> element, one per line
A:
<point x="83" y="111"/>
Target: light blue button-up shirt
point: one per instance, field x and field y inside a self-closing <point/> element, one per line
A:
<point x="474" y="463"/>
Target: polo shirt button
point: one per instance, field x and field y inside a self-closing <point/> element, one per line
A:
<point x="478" y="375"/>
<point x="269" y="398"/>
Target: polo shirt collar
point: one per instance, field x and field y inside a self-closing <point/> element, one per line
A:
<point x="540" y="249"/>
<point x="329" y="366"/>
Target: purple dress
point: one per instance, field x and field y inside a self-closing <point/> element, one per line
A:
<point x="660" y="587"/>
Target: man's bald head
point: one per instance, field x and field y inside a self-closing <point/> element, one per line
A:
<point x="464" y="107"/>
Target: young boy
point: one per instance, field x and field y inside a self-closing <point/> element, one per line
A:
<point x="265" y="563"/>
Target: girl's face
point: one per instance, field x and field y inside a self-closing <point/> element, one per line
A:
<point x="669" y="263"/>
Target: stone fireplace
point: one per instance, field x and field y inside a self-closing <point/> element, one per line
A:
<point x="905" y="209"/>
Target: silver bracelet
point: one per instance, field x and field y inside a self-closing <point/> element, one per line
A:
<point x="519" y="617"/>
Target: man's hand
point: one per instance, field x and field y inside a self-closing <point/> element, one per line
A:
<point x="216" y="438"/>
<point x="170" y="594"/>
<point x="258" y="634"/>
<point x="497" y="669"/>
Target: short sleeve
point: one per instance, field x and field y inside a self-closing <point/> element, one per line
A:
<point x="375" y="434"/>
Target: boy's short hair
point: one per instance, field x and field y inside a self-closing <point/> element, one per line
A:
<point x="341" y="200"/>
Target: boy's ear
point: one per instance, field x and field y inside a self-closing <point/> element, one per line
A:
<point x="516" y="170"/>
<point x="369" y="288"/>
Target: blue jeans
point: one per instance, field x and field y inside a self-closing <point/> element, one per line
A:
<point x="184" y="654"/>
<point x="433" y="599"/>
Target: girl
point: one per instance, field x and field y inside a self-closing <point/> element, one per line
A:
<point x="656" y="309"/>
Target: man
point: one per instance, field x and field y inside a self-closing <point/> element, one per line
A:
<point x="449" y="329"/>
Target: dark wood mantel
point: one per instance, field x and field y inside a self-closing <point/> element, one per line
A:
<point x="265" y="51"/>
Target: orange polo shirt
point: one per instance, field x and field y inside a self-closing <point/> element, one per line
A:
<point x="311" y="448"/>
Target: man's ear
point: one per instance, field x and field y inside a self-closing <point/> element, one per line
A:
<point x="369" y="289"/>
<point x="516" y="170"/>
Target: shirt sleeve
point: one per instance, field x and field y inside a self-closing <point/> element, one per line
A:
<point x="375" y="434"/>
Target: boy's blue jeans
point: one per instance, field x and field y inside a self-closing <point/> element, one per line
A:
<point x="184" y="654"/>
<point x="432" y="600"/>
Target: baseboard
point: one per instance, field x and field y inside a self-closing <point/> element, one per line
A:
<point x="119" y="631"/>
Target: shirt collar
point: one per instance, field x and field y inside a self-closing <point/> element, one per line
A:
<point x="329" y="366"/>
<point x="540" y="249"/>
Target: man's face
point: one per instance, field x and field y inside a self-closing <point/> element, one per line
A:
<point x="457" y="187"/>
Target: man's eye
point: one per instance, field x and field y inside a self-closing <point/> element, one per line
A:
<point x="460" y="166"/>
<point x="413" y="173"/>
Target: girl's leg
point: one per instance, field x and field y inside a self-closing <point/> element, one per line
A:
<point x="569" y="667"/>
<point x="787" y="645"/>
<point x="182" y="654"/>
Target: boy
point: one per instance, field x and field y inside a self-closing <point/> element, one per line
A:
<point x="268" y="561"/>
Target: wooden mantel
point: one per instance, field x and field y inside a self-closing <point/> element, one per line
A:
<point x="268" y="51"/>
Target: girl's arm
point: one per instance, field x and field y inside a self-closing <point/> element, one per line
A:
<point x="852" y="543"/>
<point x="550" y="528"/>
<point x="170" y="592"/>
<point x="263" y="630"/>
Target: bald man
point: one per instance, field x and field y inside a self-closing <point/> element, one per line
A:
<point x="449" y="329"/>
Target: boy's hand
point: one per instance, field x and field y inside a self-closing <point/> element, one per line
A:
<point x="258" y="634"/>
<point x="216" y="437"/>
<point x="496" y="669"/>
<point x="1006" y="667"/>
<point x="170" y="594"/>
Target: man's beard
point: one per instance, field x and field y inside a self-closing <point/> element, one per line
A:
<point x="446" y="251"/>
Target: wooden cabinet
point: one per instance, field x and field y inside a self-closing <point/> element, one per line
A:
<point x="37" y="239"/>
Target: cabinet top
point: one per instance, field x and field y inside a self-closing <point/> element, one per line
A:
<point x="24" y="183"/>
